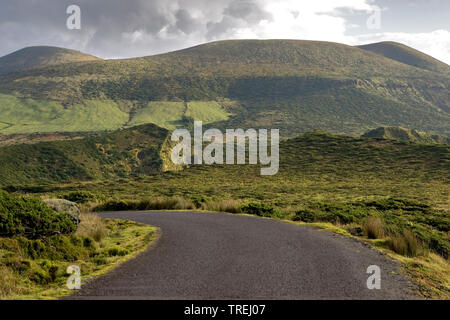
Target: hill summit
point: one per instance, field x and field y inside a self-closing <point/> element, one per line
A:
<point x="41" y="56"/>
<point x="404" y="54"/>
<point x="403" y="134"/>
<point x="293" y="85"/>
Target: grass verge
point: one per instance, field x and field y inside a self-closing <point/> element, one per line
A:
<point x="36" y="269"/>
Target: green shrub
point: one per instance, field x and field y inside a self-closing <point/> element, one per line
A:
<point x="398" y="204"/>
<point x="304" y="215"/>
<point x="116" y="251"/>
<point x="30" y="218"/>
<point x="198" y="201"/>
<point x="257" y="208"/>
<point x="80" y="196"/>
<point x="114" y="205"/>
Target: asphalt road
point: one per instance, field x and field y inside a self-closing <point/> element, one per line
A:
<point x="224" y="256"/>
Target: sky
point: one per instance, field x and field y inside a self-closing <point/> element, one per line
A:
<point x="132" y="28"/>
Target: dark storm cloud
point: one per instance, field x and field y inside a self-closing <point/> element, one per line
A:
<point x="107" y="25"/>
<point x="115" y="28"/>
<point x="185" y="22"/>
<point x="129" y="28"/>
<point x="236" y="15"/>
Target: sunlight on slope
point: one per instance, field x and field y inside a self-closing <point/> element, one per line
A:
<point x="29" y="115"/>
<point x="206" y="111"/>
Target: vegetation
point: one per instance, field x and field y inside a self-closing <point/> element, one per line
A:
<point x="159" y="203"/>
<point x="34" y="57"/>
<point x="20" y="115"/>
<point x="31" y="218"/>
<point x="406" y="55"/>
<point x="362" y="186"/>
<point x="297" y="86"/>
<point x="36" y="269"/>
<point x="403" y="134"/>
<point x="119" y="154"/>
<point x="37" y="245"/>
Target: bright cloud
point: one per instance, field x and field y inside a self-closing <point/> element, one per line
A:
<point x="117" y="28"/>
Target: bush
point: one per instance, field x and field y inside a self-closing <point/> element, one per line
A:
<point x="114" y="205"/>
<point x="116" y="251"/>
<point x="31" y="218"/>
<point x="304" y="215"/>
<point x="259" y="209"/>
<point x="198" y="201"/>
<point x="374" y="228"/>
<point x="80" y="196"/>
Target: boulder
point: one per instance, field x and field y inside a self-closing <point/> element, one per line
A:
<point x="65" y="207"/>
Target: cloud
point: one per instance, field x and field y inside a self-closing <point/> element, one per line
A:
<point x="117" y="28"/>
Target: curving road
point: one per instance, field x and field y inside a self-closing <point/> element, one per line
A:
<point x="224" y="256"/>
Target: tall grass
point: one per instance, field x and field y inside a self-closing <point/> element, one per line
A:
<point x="174" y="203"/>
<point x="406" y="243"/>
<point x="9" y="282"/>
<point x="158" y="203"/>
<point x="374" y="228"/>
<point x="92" y="225"/>
<point x="231" y="206"/>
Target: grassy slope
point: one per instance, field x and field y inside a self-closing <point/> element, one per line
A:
<point x="164" y="114"/>
<point x="29" y="115"/>
<point x="123" y="153"/>
<point x="33" y="57"/>
<point x="403" y="134"/>
<point x="294" y="85"/>
<point x="406" y="55"/>
<point x="172" y="115"/>
<point x="206" y="111"/>
<point x="26" y="115"/>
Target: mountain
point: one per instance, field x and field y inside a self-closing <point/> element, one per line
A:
<point x="406" y="55"/>
<point x="402" y="134"/>
<point x="42" y="56"/>
<point x="296" y="86"/>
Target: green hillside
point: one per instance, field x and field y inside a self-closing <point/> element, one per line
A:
<point x="293" y="85"/>
<point x="403" y="134"/>
<point x="337" y="178"/>
<point x="406" y="55"/>
<point x="25" y="115"/>
<point x="34" y="57"/>
<point x="133" y="151"/>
